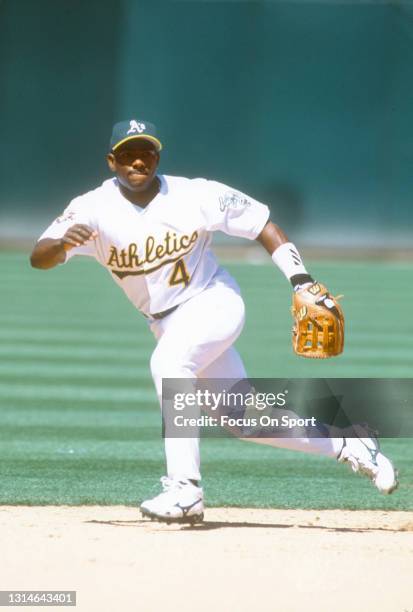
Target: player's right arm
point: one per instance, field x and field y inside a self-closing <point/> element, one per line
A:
<point x="50" y="252"/>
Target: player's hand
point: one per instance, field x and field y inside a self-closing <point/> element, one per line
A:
<point x="318" y="330"/>
<point x="77" y="235"/>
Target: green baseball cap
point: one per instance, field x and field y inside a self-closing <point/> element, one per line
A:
<point x="133" y="129"/>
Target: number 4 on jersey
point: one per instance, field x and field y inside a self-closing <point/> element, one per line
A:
<point x="179" y="274"/>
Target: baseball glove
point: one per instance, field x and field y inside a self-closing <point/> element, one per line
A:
<point x="318" y="330"/>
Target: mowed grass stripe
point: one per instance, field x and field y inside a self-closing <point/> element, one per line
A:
<point x="32" y="406"/>
<point x="103" y="449"/>
<point x="16" y="423"/>
<point x="116" y="426"/>
<point x="369" y="359"/>
<point x="64" y="370"/>
<point x="70" y="336"/>
<point x="76" y="381"/>
<point x="364" y="353"/>
<point x="55" y="323"/>
<point x="117" y="354"/>
<point x="383" y="370"/>
<point x="24" y="421"/>
<point x="77" y="287"/>
<point x="78" y="393"/>
<point x="20" y="360"/>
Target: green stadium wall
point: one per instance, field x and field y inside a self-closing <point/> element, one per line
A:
<point x="306" y="106"/>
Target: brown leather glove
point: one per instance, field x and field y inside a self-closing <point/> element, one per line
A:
<point x="318" y="330"/>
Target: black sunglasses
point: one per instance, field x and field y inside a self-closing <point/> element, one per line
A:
<point x="128" y="156"/>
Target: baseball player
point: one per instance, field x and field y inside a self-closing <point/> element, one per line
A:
<point x="152" y="233"/>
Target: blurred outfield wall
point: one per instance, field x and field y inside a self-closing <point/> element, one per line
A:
<point x="307" y="106"/>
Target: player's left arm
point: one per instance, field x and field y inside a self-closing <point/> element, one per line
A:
<point x="318" y="330"/>
<point x="284" y="254"/>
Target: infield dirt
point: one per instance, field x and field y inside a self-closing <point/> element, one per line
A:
<point x="237" y="560"/>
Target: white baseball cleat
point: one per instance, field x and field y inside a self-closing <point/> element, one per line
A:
<point x="365" y="457"/>
<point x="180" y="502"/>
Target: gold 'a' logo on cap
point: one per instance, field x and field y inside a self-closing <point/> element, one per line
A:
<point x="136" y="127"/>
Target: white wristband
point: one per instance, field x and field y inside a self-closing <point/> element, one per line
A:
<point x="288" y="259"/>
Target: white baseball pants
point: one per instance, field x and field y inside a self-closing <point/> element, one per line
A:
<point x="196" y="341"/>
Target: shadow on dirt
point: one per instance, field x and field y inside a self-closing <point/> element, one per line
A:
<point x="211" y="525"/>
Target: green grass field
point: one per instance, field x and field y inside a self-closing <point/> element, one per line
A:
<point x="79" y="420"/>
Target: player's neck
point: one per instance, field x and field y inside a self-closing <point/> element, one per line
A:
<point x="142" y="198"/>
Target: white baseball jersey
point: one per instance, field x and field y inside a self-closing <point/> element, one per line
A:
<point x="160" y="255"/>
